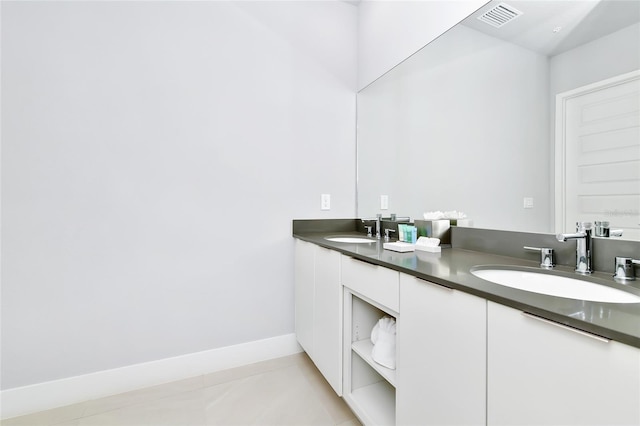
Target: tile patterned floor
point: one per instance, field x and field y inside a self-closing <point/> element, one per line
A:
<point x="282" y="391"/>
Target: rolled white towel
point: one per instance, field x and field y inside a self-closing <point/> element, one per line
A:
<point x="383" y="337"/>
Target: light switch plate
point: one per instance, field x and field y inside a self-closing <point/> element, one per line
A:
<point x="325" y="202"/>
<point x="528" y="202"/>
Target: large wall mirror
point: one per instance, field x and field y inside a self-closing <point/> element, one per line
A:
<point x="525" y="120"/>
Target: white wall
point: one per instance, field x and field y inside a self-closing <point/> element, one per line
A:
<point x="391" y="31"/>
<point x="154" y="154"/>
<point x="606" y="57"/>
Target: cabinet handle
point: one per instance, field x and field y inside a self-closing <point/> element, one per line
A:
<point x="364" y="262"/>
<point x="566" y="327"/>
<point x="442" y="286"/>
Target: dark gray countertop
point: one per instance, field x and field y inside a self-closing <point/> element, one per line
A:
<point x="451" y="268"/>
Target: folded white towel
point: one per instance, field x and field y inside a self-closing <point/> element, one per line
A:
<point x="383" y="337"/>
<point x="428" y="242"/>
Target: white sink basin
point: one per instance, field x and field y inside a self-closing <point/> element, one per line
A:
<point x="352" y="240"/>
<point x="554" y="285"/>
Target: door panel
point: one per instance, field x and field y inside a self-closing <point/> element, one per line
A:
<point x="602" y="156"/>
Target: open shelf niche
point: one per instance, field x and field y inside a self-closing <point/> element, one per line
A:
<point x="369" y="386"/>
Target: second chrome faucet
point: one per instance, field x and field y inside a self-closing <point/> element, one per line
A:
<point x="584" y="248"/>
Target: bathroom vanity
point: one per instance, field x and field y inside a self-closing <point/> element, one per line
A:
<point x="468" y="351"/>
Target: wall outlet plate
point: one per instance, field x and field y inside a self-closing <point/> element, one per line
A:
<point x="384" y="202"/>
<point x="528" y="202"/>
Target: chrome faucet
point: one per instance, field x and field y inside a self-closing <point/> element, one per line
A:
<point x="387" y="232"/>
<point x="624" y="269"/>
<point x="584" y="249"/>
<point x="378" y="218"/>
<point x="546" y="256"/>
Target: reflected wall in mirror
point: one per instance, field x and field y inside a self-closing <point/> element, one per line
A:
<point x="469" y="122"/>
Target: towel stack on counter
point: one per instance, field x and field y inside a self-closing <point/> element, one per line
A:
<point x="453" y="214"/>
<point x="454" y="217"/>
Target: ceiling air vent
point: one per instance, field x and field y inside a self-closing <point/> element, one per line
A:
<point x="500" y="15"/>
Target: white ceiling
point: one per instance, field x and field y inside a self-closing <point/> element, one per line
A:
<point x="580" y="21"/>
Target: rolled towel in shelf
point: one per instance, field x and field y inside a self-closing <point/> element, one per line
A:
<point x="383" y="337"/>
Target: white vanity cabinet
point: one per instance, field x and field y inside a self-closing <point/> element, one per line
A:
<point x="544" y="373"/>
<point x="304" y="289"/>
<point x="441" y="355"/>
<point x="318" y="314"/>
<point x="460" y="359"/>
<point x="370" y="293"/>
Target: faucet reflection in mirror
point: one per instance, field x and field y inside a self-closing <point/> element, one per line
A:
<point x="602" y="230"/>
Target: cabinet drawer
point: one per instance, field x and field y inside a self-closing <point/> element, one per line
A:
<point x="375" y="282"/>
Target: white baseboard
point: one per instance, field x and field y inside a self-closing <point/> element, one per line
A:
<point x="58" y="393"/>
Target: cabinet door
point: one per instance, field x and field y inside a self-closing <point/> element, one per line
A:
<point x="304" y="284"/>
<point x="542" y="373"/>
<point x="441" y="368"/>
<point x="327" y="317"/>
